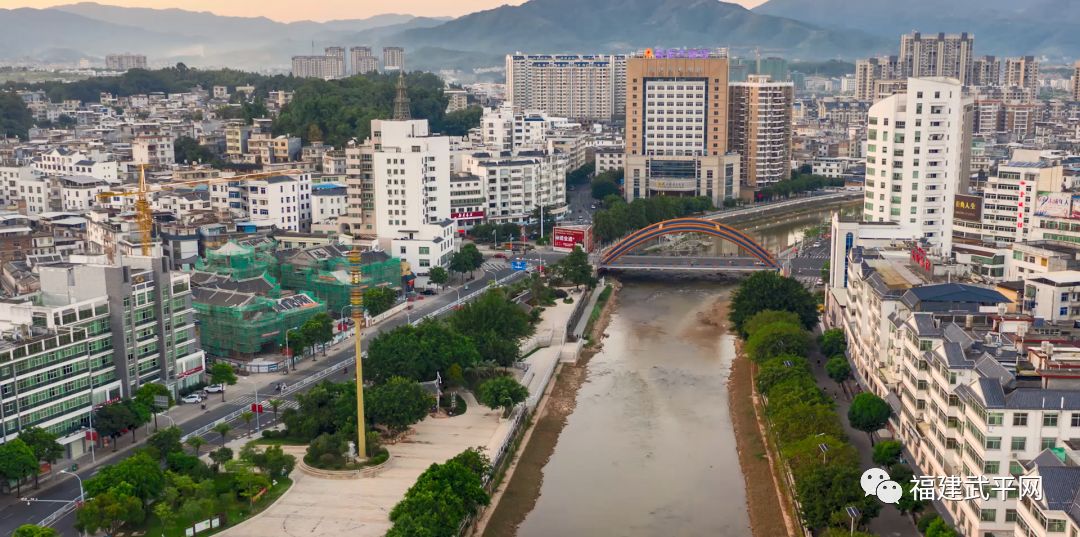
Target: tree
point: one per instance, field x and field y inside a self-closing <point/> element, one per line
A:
<point x="248" y="416"/>
<point x="15" y="117"/>
<point x="138" y="414"/>
<point x="30" y="530"/>
<point x="438" y="276"/>
<point x="221" y="455"/>
<point x="439" y="500"/>
<point x="187" y="150"/>
<point x="44" y="446"/>
<point x="838" y="369"/>
<point x="460" y="263"/>
<point x="397" y="404"/>
<point x="165" y="514"/>
<point x="458" y="122"/>
<point x="776" y="370"/>
<point x="472" y="256"/>
<point x="298" y="343"/>
<point x="139" y="472"/>
<point x="272" y="461"/>
<point x="223" y="430"/>
<point x="767" y="290"/>
<point x="495" y="324"/>
<point x="887" y="453"/>
<point x="502" y="391"/>
<point x="581" y="174"/>
<point x="805" y="455"/>
<point x="329" y="407"/>
<point x="602" y="188"/>
<point x="829" y="489"/>
<point x="109" y="511"/>
<point x="777" y="339"/>
<point x="196" y="442"/>
<point x="166" y="441"/>
<point x="575" y="267"/>
<point x="222" y="373"/>
<point x="146" y="396"/>
<point x="831" y="342"/>
<point x="319" y="330"/>
<point x="940" y="528"/>
<point x="17" y="462"/>
<point x="767" y="317"/>
<point x="418" y="352"/>
<point x="275" y="404"/>
<point x="868" y="413"/>
<point x="327" y="451"/>
<point x="112" y="420"/>
<point x="379" y="299"/>
<point x="825" y="272"/>
<point x="803" y="420"/>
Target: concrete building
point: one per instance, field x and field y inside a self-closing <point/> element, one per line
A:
<point x="760" y="129"/>
<point x="609" y="158"/>
<point x="125" y="61"/>
<point x="938" y="55"/>
<point x="361" y="60"/>
<point x="335" y="62"/>
<point x="236" y="140"/>
<point x="1053" y="296"/>
<point x="677" y="129"/>
<point x="1022" y="72"/>
<point x="393" y="59"/>
<point x="918" y="157"/>
<point x="327" y="203"/>
<point x="1076" y="82"/>
<point x="1004" y="211"/>
<point x="577" y="86"/>
<point x="326" y="67"/>
<point x="78" y="192"/>
<point x="62" y="161"/>
<point x="359" y="218"/>
<point x="869" y="71"/>
<point x="986" y="71"/>
<point x="155" y="151"/>
<point x="458" y="100"/>
<point x="516" y="184"/>
<point x="284" y="200"/>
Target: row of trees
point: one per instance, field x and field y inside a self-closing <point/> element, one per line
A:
<point x="467" y="259"/>
<point x="15" y="117"/>
<point x="492" y="232"/>
<point x="163" y="481"/>
<point x="799" y="183"/>
<point x="620" y="218"/>
<point x="21" y="458"/>
<point x="442" y="497"/>
<point x="318" y="330"/>
<point x="607" y="184"/>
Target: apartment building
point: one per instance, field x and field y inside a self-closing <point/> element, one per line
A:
<point x="1076" y="82"/>
<point x="284" y="200"/>
<point x="1022" y="72"/>
<point x="986" y="71"/>
<point x="329" y="66"/>
<point x="1055" y="513"/>
<point x="359" y="217"/>
<point x="507" y="129"/>
<point x="328" y="203"/>
<point x="155" y="151"/>
<point x="516" y="184"/>
<point x="125" y="61"/>
<point x="577" y="86"/>
<point x="1003" y="211"/>
<point x="871" y="70"/>
<point x="609" y="158"/>
<point x="918" y="157"/>
<point x="1053" y="296"/>
<point x="937" y="55"/>
<point x="361" y="60"/>
<point x="393" y="59"/>
<point x="63" y="161"/>
<point x="677" y="129"/>
<point x="468" y="200"/>
<point x="760" y="129"/>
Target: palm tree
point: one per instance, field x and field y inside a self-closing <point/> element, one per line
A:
<point x="222" y="429"/>
<point x="275" y="404"/>
<point x="247" y="417"/>
<point x="196" y="442"/>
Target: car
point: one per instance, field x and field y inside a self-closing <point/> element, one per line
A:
<point x="592" y="206"/>
<point x="499" y="256"/>
<point x="192" y="398"/>
<point x="215" y="388"/>
<point x="428" y="292"/>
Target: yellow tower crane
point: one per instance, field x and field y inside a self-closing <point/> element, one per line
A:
<point x="144" y="216"/>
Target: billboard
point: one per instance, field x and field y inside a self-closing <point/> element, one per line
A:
<point x="470" y="215"/>
<point x="1054" y="205"/>
<point x="967" y="208"/>
<point x="1075" y="213"/>
<point x="565" y="238"/>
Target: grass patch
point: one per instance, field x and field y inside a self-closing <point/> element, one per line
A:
<point x="237" y="512"/>
<point x="594" y="315"/>
<point x="278" y="442"/>
<point x="374" y="460"/>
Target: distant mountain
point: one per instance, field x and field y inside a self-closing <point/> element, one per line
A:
<point x="1001" y="27"/>
<point x="624" y="25"/>
<point x="30" y="33"/>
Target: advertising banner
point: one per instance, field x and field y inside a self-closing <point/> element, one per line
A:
<point x="1054" y="205"/>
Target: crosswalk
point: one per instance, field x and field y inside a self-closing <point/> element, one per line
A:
<point x="495" y="264"/>
<point x="246" y="400"/>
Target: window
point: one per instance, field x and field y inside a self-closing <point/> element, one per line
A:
<point x="402" y="250"/>
<point x="1019" y="443"/>
<point x="1055" y="526"/>
<point x="1046" y="443"/>
<point x="1074" y="419"/>
<point x="988" y="515"/>
<point x="424" y="250"/>
<point x="1050" y="419"/>
<point x="993" y="442"/>
<point x="991" y="467"/>
<point x="1010" y="515"/>
<point x="1019" y="419"/>
<point x="997" y="418"/>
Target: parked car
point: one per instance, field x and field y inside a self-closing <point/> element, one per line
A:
<point x="215" y="388"/>
<point x="428" y="292"/>
<point x="192" y="398"/>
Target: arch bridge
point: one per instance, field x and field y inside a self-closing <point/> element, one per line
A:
<point x="757" y="258"/>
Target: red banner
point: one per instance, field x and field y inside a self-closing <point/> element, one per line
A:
<point x="568" y="238"/>
<point x="471" y="215"/>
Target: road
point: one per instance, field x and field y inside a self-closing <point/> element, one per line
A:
<point x="660" y="262"/>
<point x="15" y="513"/>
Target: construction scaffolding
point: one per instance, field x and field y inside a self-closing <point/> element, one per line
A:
<point x="327" y="276"/>
<point x="236" y="324"/>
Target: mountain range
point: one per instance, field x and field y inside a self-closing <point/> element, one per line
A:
<point x="795" y="29"/>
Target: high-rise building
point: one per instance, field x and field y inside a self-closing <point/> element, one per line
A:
<point x="759" y="129"/>
<point x="774" y="68"/>
<point x="917" y="158"/>
<point x="986" y="71"/>
<point x="1076" y="82"/>
<point x="393" y="59"/>
<point x="362" y="60"/>
<point x="1022" y="72"/>
<point x="578" y="86"/>
<point x="335" y="62"/>
<point x="676" y="129"/>
<point x="869" y="71"/>
<point x="324" y="67"/>
<point x="125" y="61"/>
<point x="939" y="55"/>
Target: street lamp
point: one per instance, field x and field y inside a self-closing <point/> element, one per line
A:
<point x="824" y="449"/>
<point x="254" y="386"/>
<point x="82" y="494"/>
<point x="287" y="349"/>
<point x="854" y="514"/>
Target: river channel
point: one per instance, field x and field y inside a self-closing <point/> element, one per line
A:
<point x="649" y="448"/>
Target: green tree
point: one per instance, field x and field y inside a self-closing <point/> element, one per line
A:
<point x="502" y="391"/>
<point x="832" y="342"/>
<point x="825" y="272"/>
<point x="166" y="441"/>
<point x="803" y="420"/>
<point x="838" y="368"/>
<point x="248" y="417"/>
<point x="275" y="404"/>
<point x="272" y="461"/>
<point x="140" y="472"/>
<point x="112" y="420"/>
<point x="887" y="453"/>
<point x="868" y="413"/>
<point x="328" y="407"/>
<point x="221" y="455"/>
<point x="187" y="150"/>
<point x="458" y="122"/>
<point x="602" y="188"/>
<point x="15" y="117"/>
<point x="767" y="290"/>
<point x="767" y="317"/>
<point x="327" y="451"/>
<point x="777" y="370"/>
<point x="223" y="430"/>
<point x="196" y="442"/>
<point x="581" y="174"/>
<point x="30" y="530"/>
<point x="575" y="267"/>
<point x="379" y="299"/>
<point x="44" y="446"/>
<point x="829" y="489"/>
<point x="805" y="455"/>
<point x="940" y="528"/>
<point x="418" y="352"/>
<point x="439" y="501"/>
<point x="438" y="276"/>
<point x="777" y="339"/>
<point x="147" y="392"/>
<point x="298" y="343"/>
<point x="223" y="373"/>
<point x="397" y="403"/>
<point x="472" y="256"/>
<point x="17" y="462"/>
<point x="495" y="325"/>
<point x="110" y="511"/>
<point x="165" y="513"/>
<point x="901" y="473"/>
<point x="319" y="330"/>
<point x="138" y="414"/>
<point x="460" y="263"/>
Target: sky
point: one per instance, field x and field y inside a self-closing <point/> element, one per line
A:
<point x="317" y="10"/>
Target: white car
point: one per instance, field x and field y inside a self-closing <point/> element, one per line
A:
<point x="192" y="398"/>
<point x="214" y="388"/>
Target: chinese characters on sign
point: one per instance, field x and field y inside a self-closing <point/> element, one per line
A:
<point x="670" y="53"/>
<point x="975" y="487"/>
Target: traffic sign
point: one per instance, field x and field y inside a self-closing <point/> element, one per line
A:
<point x="519" y="265"/>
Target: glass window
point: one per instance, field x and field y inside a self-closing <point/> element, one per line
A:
<point x="1019" y="443"/>
<point x="1050" y="419"/>
<point x="1020" y="419"/>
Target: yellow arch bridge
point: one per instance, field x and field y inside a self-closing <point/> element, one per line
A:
<point x="760" y="257"/>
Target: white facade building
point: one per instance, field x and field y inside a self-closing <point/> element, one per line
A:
<point x="515" y="185"/>
<point x="153" y="150"/>
<point x="62" y="161"/>
<point x="328" y="203"/>
<point x="579" y="86"/>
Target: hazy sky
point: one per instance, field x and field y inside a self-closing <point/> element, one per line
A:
<point x="318" y="10"/>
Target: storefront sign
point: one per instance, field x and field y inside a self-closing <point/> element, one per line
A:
<point x="471" y="215"/>
<point x="967" y="208"/>
<point x="672" y="53"/>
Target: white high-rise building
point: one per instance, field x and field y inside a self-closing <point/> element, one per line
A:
<point x="393" y="58"/>
<point x="578" y="86"/>
<point x="283" y="200"/>
<point x="759" y="129"/>
<point x="937" y="55"/>
<point x="361" y="60"/>
<point x="516" y="184"/>
<point x="918" y="153"/>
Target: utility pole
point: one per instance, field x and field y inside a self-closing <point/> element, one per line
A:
<point x="357" y="300"/>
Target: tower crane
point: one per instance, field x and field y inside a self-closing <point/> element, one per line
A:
<point x="144" y="216"/>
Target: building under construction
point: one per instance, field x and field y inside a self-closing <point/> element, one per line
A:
<point x="248" y="293"/>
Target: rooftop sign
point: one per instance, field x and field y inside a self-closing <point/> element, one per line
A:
<point x="670" y="53"/>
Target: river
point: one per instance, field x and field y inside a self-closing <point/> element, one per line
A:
<point x="649" y="449"/>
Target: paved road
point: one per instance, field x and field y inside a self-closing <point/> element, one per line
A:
<point x="14" y="513"/>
